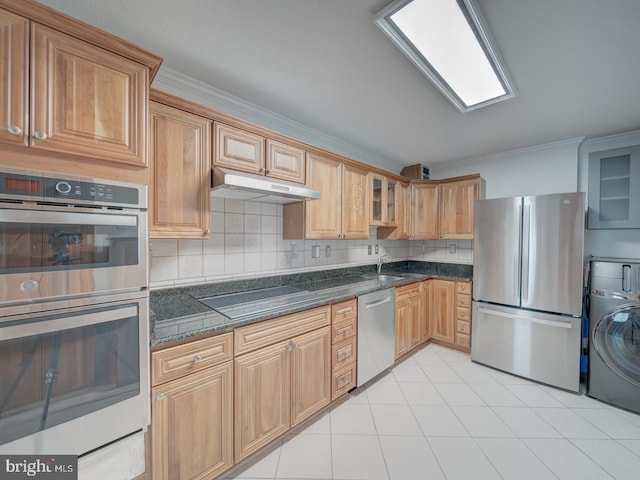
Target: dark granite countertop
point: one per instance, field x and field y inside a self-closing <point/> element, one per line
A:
<point x="177" y="313"/>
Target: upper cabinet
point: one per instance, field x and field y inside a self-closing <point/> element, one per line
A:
<point x="247" y="152"/>
<point x="383" y="201"/>
<point x="180" y="152"/>
<point x="82" y="92"/>
<point x="444" y="209"/>
<point x="342" y="212"/>
<point x="614" y="188"/>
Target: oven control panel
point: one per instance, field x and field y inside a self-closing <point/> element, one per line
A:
<point x="41" y="188"/>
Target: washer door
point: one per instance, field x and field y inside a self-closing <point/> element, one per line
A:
<point x="616" y="338"/>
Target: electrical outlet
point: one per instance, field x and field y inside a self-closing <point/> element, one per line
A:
<point x="315" y="251"/>
<point x="293" y="250"/>
<point x="453" y="248"/>
<point x="327" y="251"/>
<point x="376" y="249"/>
<point x="369" y="250"/>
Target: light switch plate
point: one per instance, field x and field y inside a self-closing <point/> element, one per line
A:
<point x="315" y="251"/>
<point x="369" y="250"/>
<point x="327" y="251"/>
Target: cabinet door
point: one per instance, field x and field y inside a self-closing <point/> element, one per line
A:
<point x="262" y="397"/>
<point x="238" y="149"/>
<point x="86" y="101"/>
<point x="426" y="310"/>
<point x="403" y="313"/>
<point x="424" y="209"/>
<point x="355" y="203"/>
<point x="391" y="204"/>
<point x="403" y="209"/>
<point x="180" y="150"/>
<point x="378" y="198"/>
<point x="456" y="209"/>
<point x="443" y="327"/>
<point x="323" y="217"/>
<point x="192" y="425"/>
<point x="285" y="162"/>
<point x="14" y="79"/>
<point x="415" y="331"/>
<point x="310" y="373"/>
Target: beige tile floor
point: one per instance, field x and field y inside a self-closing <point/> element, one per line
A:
<point x="437" y="415"/>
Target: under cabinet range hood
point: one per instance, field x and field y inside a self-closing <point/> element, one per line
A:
<point x="245" y="186"/>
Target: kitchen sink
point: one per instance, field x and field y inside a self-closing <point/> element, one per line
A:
<point x="382" y="277"/>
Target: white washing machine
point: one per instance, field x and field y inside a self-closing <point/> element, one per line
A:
<point x="614" y="333"/>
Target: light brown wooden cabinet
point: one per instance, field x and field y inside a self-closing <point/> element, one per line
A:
<point x="443" y="324"/>
<point x="408" y="318"/>
<point x="402" y="230"/>
<point x="344" y="324"/>
<point x="279" y="385"/>
<point x="186" y="442"/>
<point x="457" y="208"/>
<point x="383" y="197"/>
<point x="463" y="316"/>
<point x="426" y="310"/>
<point x="180" y="152"/>
<point x="248" y="152"/>
<point x="83" y="100"/>
<point x="342" y="212"/>
<point x="424" y="211"/>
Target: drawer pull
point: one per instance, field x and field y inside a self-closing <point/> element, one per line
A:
<point x="40" y="135"/>
<point x="346" y="330"/>
<point x="462" y="301"/>
<point x="344" y="310"/>
<point x="14" y="130"/>
<point x="159" y="396"/>
<point x="462" y="314"/>
<point x="289" y="347"/>
<point x="462" y="340"/>
<point x="197" y="358"/>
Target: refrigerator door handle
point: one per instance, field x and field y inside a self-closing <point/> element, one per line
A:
<point x="626" y="278"/>
<point x="539" y="321"/>
<point x="526" y="246"/>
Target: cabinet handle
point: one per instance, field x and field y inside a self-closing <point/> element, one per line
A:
<point x="462" y="301"/>
<point x="345" y="330"/>
<point x="344" y="310"/>
<point x="14" y="130"/>
<point x="40" y="135"/>
<point x="295" y="345"/>
<point x="462" y="314"/>
<point x="262" y="169"/>
<point x="463" y="287"/>
<point x="268" y="170"/>
<point x="289" y="348"/>
<point x="197" y="358"/>
<point x="207" y="231"/>
<point x="160" y="396"/>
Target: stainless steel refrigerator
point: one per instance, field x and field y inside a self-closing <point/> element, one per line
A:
<point x="527" y="286"/>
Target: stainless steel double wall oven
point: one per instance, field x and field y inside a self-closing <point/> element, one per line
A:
<point x="74" y="371"/>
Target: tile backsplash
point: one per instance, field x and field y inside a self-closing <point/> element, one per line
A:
<point x="247" y="242"/>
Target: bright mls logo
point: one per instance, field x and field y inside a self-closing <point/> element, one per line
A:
<point x="49" y="467"/>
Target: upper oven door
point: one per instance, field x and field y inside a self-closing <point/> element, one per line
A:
<point x="49" y="251"/>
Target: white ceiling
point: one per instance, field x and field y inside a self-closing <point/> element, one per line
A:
<point x="575" y="65"/>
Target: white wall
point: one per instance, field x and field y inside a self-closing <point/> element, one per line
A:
<point x="550" y="168"/>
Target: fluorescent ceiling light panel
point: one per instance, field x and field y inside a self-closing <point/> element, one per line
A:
<point x="446" y="40"/>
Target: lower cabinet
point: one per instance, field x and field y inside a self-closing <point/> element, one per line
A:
<point x="451" y="314"/>
<point x="426" y="310"/>
<point x="192" y="415"/>
<point x="278" y="386"/>
<point x="344" y="346"/>
<point x="408" y="318"/>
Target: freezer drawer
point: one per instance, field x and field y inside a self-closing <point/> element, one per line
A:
<point x="539" y="346"/>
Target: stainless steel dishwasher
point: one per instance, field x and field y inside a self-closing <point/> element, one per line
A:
<point x="376" y="333"/>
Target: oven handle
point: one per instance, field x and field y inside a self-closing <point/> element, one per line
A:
<point x="67" y="218"/>
<point x="42" y="326"/>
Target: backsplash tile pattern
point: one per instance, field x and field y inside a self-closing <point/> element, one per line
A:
<point x="247" y="241"/>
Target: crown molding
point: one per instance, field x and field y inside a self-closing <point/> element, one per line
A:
<point x="181" y="85"/>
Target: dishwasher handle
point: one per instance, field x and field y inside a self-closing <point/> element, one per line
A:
<point x="377" y="302"/>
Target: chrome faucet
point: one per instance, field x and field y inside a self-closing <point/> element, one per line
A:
<point x="381" y="260"/>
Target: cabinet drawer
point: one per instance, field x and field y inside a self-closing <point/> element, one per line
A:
<point x="342" y="353"/>
<point x="268" y="332"/>
<point x="343" y="381"/>
<point x="344" y="310"/>
<point x="463" y="313"/>
<point x="463" y="287"/>
<point x="463" y="340"/>
<point x="463" y="300"/>
<point x="344" y="329"/>
<point x="463" y="327"/>
<point x="191" y="357"/>
<point x="412" y="290"/>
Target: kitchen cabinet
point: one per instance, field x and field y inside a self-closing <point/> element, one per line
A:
<point x="402" y="229"/>
<point x="443" y="326"/>
<point x="344" y="324"/>
<point x="83" y="100"/>
<point x="382" y="210"/>
<point x="424" y="211"/>
<point x="342" y="212"/>
<point x="279" y="385"/>
<point x="426" y="310"/>
<point x="456" y="208"/>
<point x="408" y="318"/>
<point x="180" y="153"/>
<point x="248" y="152"/>
<point x="192" y="409"/>
<point x="463" y="316"/>
<point x="614" y="188"/>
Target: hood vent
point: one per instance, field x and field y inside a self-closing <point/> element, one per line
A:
<point x="245" y="186"/>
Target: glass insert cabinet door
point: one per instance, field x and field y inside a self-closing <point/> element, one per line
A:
<point x="58" y="367"/>
<point x="614" y="188"/>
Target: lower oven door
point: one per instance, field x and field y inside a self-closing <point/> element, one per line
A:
<point x="62" y="251"/>
<point x="73" y="378"/>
